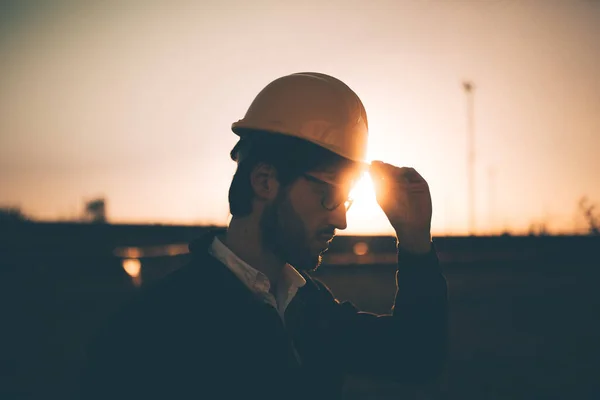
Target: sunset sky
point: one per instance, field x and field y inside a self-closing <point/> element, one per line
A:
<point x="133" y="100"/>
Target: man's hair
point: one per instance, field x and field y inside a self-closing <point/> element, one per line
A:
<point x="290" y="156"/>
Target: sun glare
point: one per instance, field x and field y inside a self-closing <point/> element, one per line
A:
<point x="365" y="216"/>
<point x="363" y="190"/>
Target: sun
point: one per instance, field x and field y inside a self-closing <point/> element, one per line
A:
<point x="365" y="216"/>
<point x="363" y="190"/>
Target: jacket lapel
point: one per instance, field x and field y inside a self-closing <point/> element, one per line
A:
<point x="262" y="323"/>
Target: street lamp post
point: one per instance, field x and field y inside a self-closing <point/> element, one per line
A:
<point x="469" y="91"/>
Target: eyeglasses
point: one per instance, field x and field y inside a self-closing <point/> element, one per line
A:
<point x="333" y="195"/>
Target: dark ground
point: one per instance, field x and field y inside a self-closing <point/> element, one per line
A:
<point x="518" y="329"/>
<point x="516" y="332"/>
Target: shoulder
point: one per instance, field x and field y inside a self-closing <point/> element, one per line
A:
<point x="173" y="300"/>
<point x="202" y="280"/>
<point x="316" y="290"/>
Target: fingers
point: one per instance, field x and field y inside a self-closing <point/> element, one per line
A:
<point x="381" y="171"/>
<point x="412" y="176"/>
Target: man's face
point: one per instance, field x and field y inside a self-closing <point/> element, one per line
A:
<point x="296" y="226"/>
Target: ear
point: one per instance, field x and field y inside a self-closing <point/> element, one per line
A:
<point x="263" y="179"/>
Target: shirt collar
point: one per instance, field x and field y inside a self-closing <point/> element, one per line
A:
<point x="255" y="280"/>
<point x="292" y="278"/>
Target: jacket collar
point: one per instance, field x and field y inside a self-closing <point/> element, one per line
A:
<point x="199" y="248"/>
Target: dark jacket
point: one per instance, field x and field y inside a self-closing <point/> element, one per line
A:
<point x="200" y="333"/>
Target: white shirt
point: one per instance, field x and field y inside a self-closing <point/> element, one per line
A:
<point x="258" y="282"/>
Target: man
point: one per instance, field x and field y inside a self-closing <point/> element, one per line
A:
<point x="245" y="319"/>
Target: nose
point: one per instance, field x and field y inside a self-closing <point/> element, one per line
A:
<point x="337" y="217"/>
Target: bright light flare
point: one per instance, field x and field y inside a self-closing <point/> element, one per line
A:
<point x="361" y="248"/>
<point x="132" y="266"/>
<point x="363" y="191"/>
<point x="365" y="216"/>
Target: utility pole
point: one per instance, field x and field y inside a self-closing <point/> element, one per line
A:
<point x="491" y="198"/>
<point x="469" y="91"/>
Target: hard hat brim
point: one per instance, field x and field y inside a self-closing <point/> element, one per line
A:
<point x="240" y="130"/>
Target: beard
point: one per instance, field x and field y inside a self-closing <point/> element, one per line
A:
<point x="285" y="234"/>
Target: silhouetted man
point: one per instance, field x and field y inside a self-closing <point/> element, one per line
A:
<point x="245" y="319"/>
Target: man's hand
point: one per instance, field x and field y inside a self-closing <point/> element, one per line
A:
<point x="404" y="197"/>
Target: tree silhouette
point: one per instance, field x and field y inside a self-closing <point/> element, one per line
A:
<point x="591" y="217"/>
<point x="11" y="214"/>
<point x="95" y="210"/>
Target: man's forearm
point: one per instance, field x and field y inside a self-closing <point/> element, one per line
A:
<point x="420" y="308"/>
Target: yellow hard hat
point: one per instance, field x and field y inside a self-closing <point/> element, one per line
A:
<point x="311" y="106"/>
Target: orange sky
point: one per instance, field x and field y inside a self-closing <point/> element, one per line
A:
<point x="134" y="101"/>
